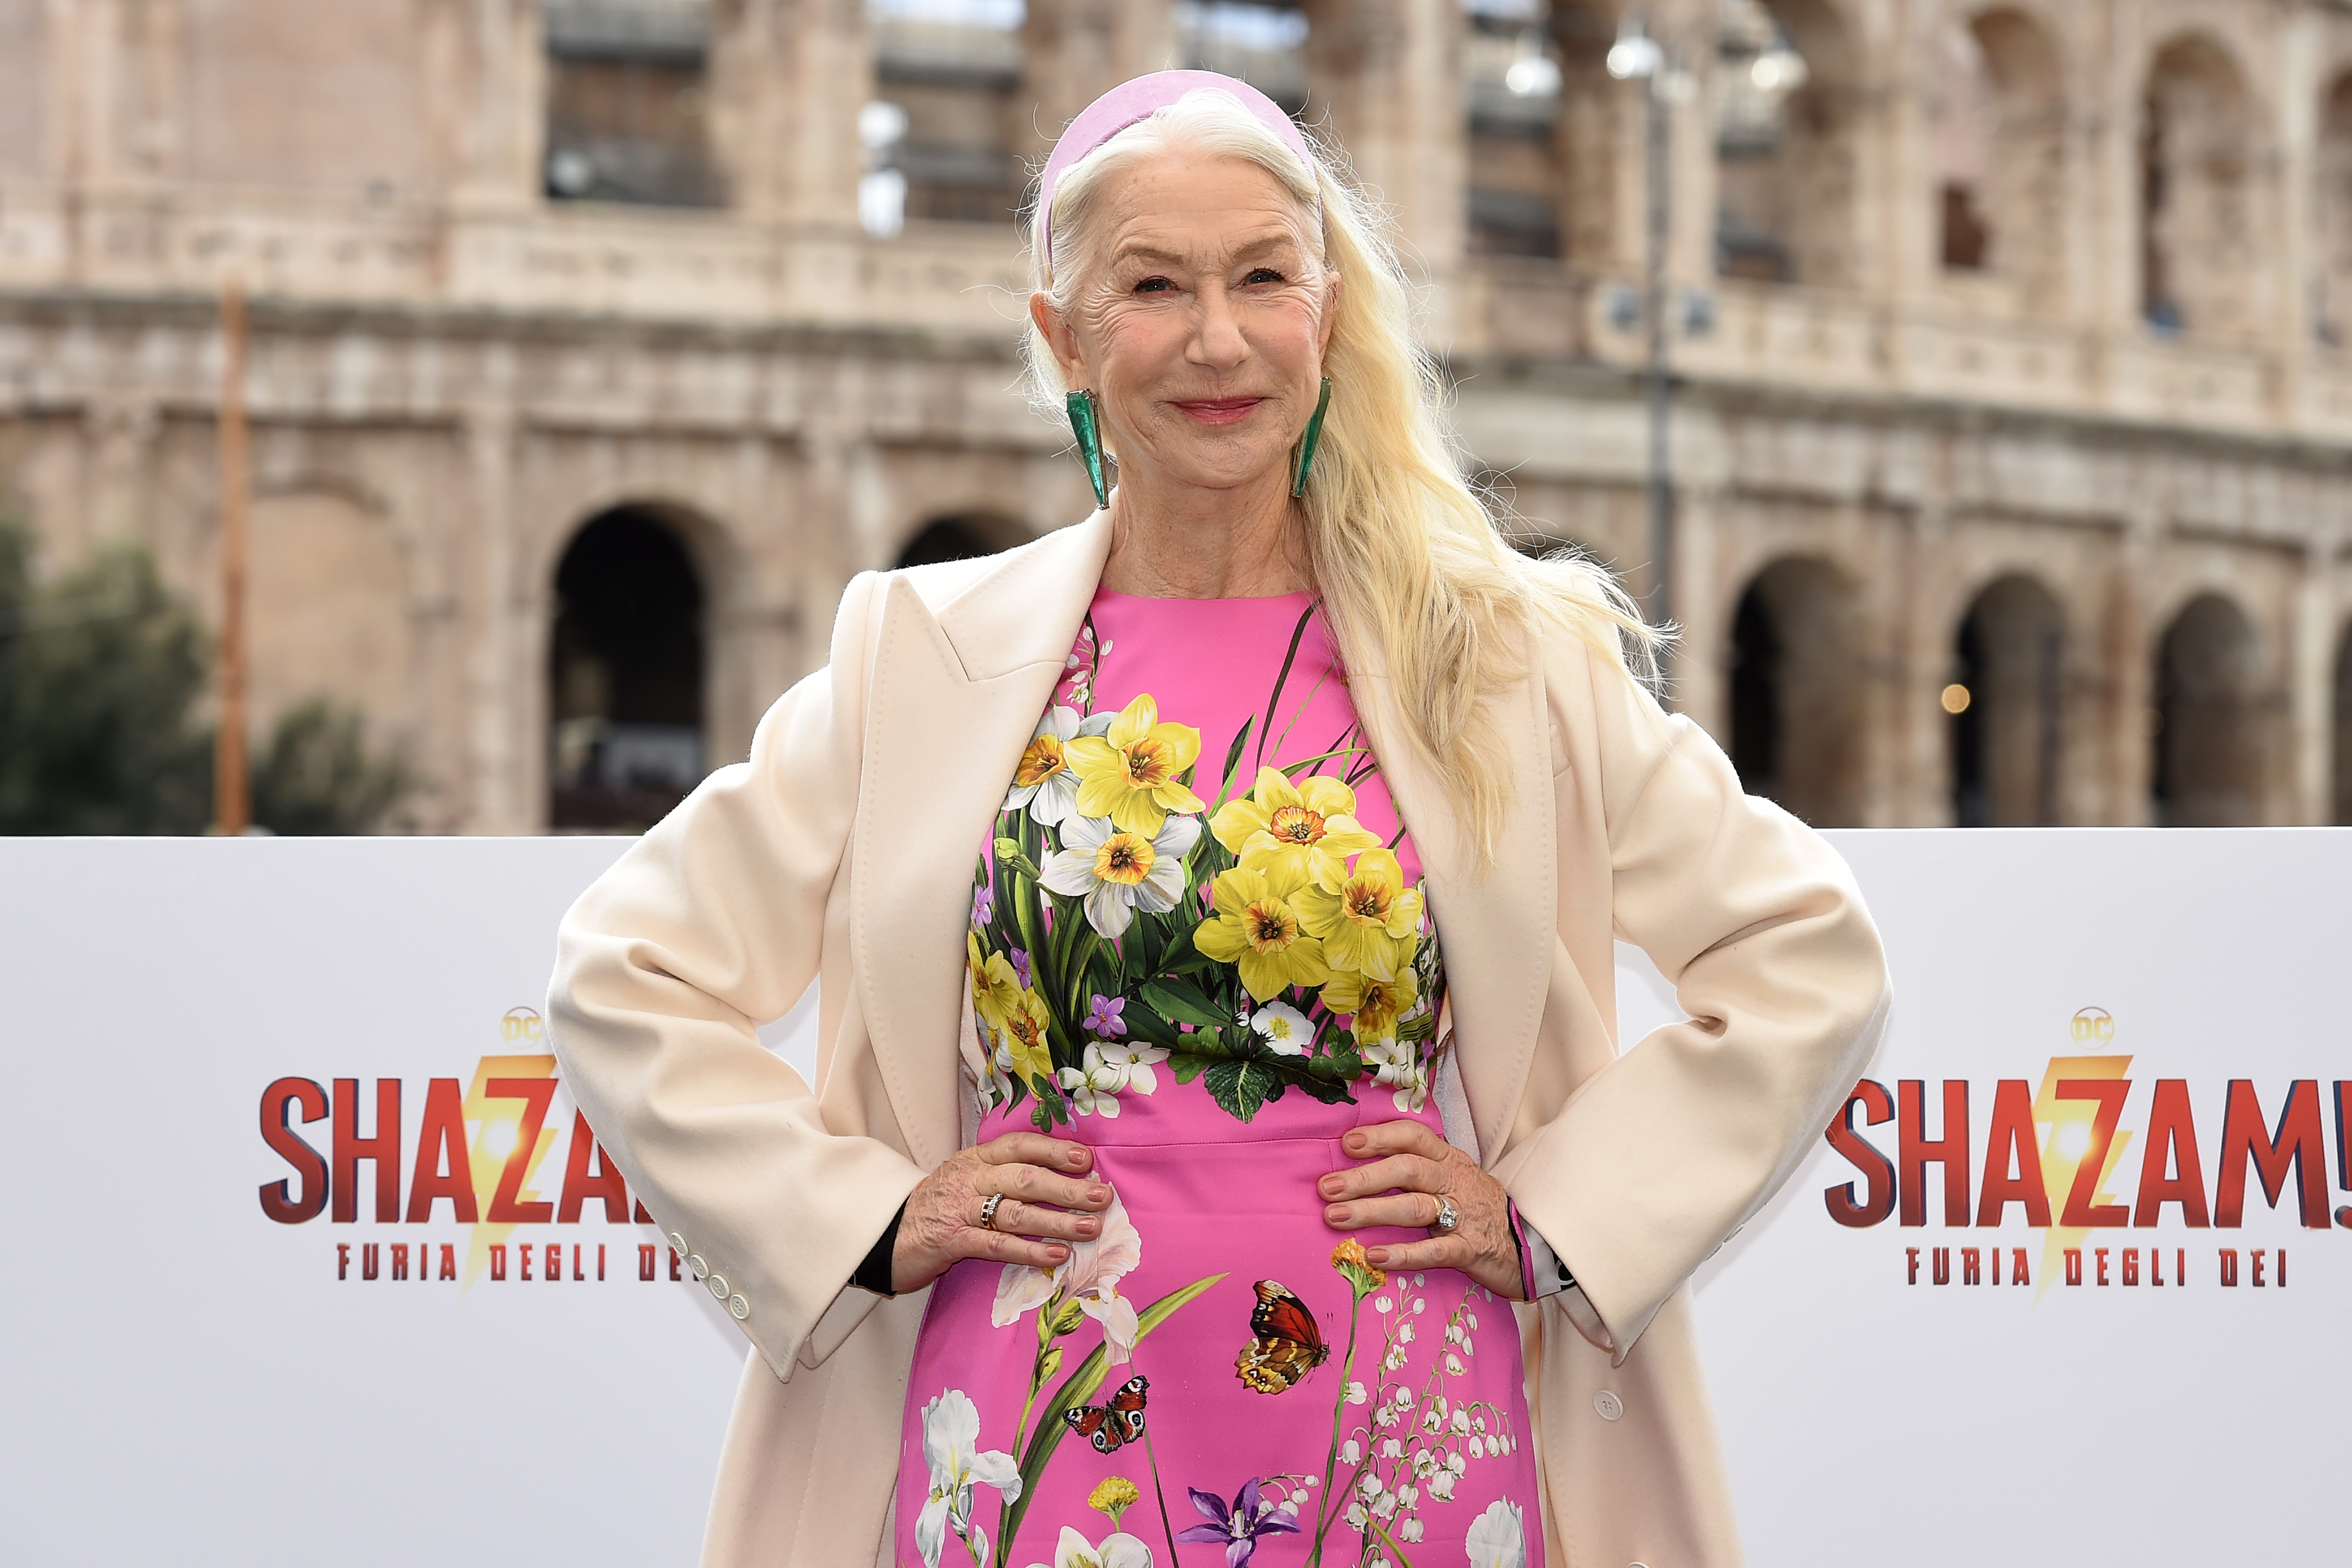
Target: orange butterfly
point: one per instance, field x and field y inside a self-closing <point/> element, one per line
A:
<point x="1286" y="1345"/>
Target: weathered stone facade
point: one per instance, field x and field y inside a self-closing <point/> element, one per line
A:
<point x="2014" y="348"/>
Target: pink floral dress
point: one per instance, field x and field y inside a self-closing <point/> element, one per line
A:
<point x="1199" y="943"/>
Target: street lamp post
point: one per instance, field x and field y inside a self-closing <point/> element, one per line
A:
<point x="1636" y="56"/>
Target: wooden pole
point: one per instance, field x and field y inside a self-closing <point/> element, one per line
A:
<point x="232" y="794"/>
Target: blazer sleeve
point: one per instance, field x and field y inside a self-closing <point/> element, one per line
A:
<point x="710" y="923"/>
<point x="1659" y="1157"/>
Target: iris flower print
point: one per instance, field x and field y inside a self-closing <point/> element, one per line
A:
<point x="1498" y="1537"/>
<point x="1117" y="1550"/>
<point x="958" y="1463"/>
<point x="1129" y="772"/>
<point x="1044" y="783"/>
<point x="1240" y="1527"/>
<point x="1370" y="923"/>
<point x="1257" y="928"/>
<point x="1117" y="872"/>
<point x="1089" y="1275"/>
<point x="1307" y="829"/>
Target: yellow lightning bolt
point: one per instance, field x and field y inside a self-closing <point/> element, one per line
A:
<point x="497" y="1122"/>
<point x="2065" y="1145"/>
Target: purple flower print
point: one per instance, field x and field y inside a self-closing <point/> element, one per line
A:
<point x="1239" y="1526"/>
<point x="983" y="904"/>
<point x="1106" y="1021"/>
<point x="1021" y="966"/>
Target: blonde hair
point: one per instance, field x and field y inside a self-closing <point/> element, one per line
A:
<point x="1418" y="581"/>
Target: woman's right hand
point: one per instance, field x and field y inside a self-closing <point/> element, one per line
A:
<point x="1046" y="1195"/>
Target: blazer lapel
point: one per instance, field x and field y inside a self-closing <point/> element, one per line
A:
<point x="1497" y="931"/>
<point x="955" y="693"/>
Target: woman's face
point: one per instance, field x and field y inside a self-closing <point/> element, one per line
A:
<point x="1201" y="320"/>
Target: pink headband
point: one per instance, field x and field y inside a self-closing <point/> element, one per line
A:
<point x="1132" y="101"/>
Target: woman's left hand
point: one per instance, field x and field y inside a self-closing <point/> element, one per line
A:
<point x="1409" y="1168"/>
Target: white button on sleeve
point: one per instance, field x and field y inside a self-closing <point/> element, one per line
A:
<point x="739" y="1307"/>
<point x="1606" y="1405"/>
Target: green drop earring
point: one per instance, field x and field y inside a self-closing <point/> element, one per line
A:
<point x="1088" y="426"/>
<point x="1306" y="443"/>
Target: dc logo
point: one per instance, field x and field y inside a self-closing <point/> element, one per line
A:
<point x="524" y="1023"/>
<point x="2092" y="1026"/>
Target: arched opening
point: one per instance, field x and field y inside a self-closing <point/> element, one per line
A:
<point x="2201" y="229"/>
<point x="2000" y="152"/>
<point x="1796" y="693"/>
<point x="2209" y="761"/>
<point x="963" y="537"/>
<point x="2332" y="309"/>
<point x="2344" y="729"/>
<point x="1785" y="127"/>
<point x="625" y="674"/>
<point x="2006" y="700"/>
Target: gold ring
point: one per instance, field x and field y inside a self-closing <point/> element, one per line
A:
<point x="988" y="1207"/>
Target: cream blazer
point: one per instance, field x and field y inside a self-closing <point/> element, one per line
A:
<point x="841" y="851"/>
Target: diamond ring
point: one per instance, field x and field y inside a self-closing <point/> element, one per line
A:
<point x="1448" y="1216"/>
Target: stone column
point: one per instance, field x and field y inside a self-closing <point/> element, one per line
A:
<point x="502" y="128"/>
<point x="1388" y="75"/>
<point x="506" y="717"/>
<point x="1074" y="51"/>
<point x="787" y="79"/>
<point x="2310" y="679"/>
<point x="2296" y="56"/>
<point x="2129" y="656"/>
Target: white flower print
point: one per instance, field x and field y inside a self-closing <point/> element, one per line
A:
<point x="1118" y="1549"/>
<point x="1284" y="1027"/>
<point x="1089" y="1275"/>
<point x="1118" y="873"/>
<point x="1093" y="1086"/>
<point x="1498" y="1538"/>
<point x="951" y="1448"/>
<point x="1133" y="1061"/>
<point x="1051" y="790"/>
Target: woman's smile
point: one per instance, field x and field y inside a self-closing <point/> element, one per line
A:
<point x="1218" y="410"/>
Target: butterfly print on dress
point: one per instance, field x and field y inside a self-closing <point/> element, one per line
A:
<point x="1117" y="1420"/>
<point x="1285" y="1345"/>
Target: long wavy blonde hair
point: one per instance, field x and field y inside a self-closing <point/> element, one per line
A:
<point x="1418" y="580"/>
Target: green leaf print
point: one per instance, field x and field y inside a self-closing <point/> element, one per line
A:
<point x="1232" y="764"/>
<point x="1009" y="853"/>
<point x="1078" y="1388"/>
<point x="1173" y="999"/>
<point x="1242" y="1087"/>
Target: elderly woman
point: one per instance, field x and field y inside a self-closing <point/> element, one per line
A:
<point x="1218" y="1109"/>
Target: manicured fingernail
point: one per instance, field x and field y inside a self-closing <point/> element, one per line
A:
<point x="1333" y="1186"/>
<point x="1378" y="1257"/>
<point x="1336" y="1215"/>
<point x="1077" y="1156"/>
<point x="1356" y="1141"/>
<point x="1089" y="1226"/>
<point x="1097" y="1195"/>
<point x="1058" y="1253"/>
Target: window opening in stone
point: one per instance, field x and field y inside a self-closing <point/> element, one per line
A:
<point x="1961" y="141"/>
<point x="628" y="103"/>
<point x="952" y="539"/>
<point x="2006" y="700"/>
<point x="941" y="138"/>
<point x="1511" y="91"/>
<point x="626" y="674"/>
<point x="1265" y="46"/>
<point x="1784" y="116"/>
<point x="2001" y="154"/>
<point x="2332" y="308"/>
<point x="2199" y="267"/>
<point x="1796" y="693"/>
<point x="2344" y="729"/>
<point x="2207" y="756"/>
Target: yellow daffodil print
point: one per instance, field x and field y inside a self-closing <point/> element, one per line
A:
<point x="1129" y="772"/>
<point x="1309" y="826"/>
<point x="995" y="984"/>
<point x="1372" y="921"/>
<point x="1025" y="1038"/>
<point x="1044" y="783"/>
<point x="1374" y="1004"/>
<point x="1257" y="928"/>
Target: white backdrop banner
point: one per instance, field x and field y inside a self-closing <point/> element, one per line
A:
<point x="332" y="1271"/>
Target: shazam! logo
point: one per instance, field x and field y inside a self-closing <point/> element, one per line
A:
<point x="483" y="1157"/>
<point x="2055" y="1152"/>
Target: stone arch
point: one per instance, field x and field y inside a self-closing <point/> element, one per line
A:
<point x="2209" y="767"/>
<point x="2343" y="729"/>
<point x="2007" y="702"/>
<point x="628" y="666"/>
<point x="960" y="536"/>
<point x="1797" y="691"/>
<point x="2201" y="206"/>
<point x="2000" y="152"/>
<point x="1786" y="141"/>
<point x="2332" y="215"/>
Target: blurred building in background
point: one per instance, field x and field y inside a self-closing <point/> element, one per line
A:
<point x="598" y="343"/>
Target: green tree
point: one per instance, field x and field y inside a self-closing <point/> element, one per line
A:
<point x="101" y="674"/>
